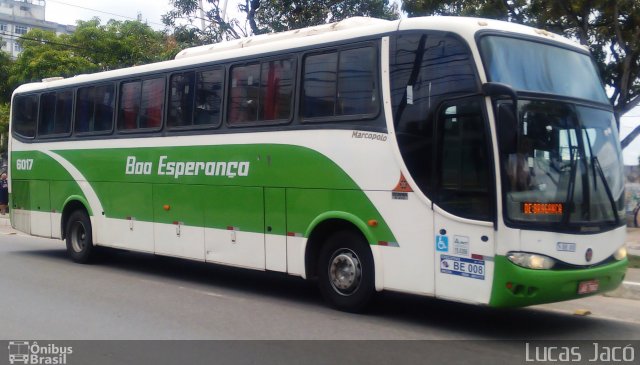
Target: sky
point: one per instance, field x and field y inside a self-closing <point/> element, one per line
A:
<point x="68" y="11"/>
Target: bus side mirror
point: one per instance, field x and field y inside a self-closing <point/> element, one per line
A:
<point x="494" y="89"/>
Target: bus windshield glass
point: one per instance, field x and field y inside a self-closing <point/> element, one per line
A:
<point x="542" y="68"/>
<point x="563" y="166"/>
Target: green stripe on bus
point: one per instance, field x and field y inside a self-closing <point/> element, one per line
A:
<point x="42" y="184"/>
<point x="211" y="186"/>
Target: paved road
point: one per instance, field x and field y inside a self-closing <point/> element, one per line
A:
<point x="134" y="296"/>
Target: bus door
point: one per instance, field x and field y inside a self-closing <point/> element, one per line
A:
<point x="463" y="202"/>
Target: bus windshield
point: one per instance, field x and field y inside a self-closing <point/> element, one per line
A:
<point x="542" y="68"/>
<point x="564" y="167"/>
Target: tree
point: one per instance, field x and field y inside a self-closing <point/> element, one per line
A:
<point x="4" y="130"/>
<point x="187" y="17"/>
<point x="193" y="25"/>
<point x="120" y="44"/>
<point x="46" y="54"/>
<point x="610" y="28"/>
<point x="92" y="47"/>
<point x="278" y="16"/>
<point x="5" y="71"/>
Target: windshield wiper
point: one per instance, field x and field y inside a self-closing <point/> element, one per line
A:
<point x="596" y="166"/>
<point x="593" y="165"/>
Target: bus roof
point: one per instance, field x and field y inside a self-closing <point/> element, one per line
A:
<point x="352" y="28"/>
<point x="344" y="25"/>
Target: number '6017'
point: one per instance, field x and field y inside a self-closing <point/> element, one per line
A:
<point x="24" y="164"/>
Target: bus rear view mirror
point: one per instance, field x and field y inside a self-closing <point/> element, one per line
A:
<point x="494" y="89"/>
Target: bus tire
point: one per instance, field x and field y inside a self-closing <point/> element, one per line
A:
<point x="346" y="272"/>
<point x="79" y="237"/>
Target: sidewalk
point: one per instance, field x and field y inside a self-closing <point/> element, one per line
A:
<point x="633" y="241"/>
<point x="630" y="287"/>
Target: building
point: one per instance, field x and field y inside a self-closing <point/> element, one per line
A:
<point x="17" y="17"/>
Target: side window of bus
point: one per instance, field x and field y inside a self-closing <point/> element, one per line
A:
<point x="357" y="91"/>
<point x="141" y="104"/>
<point x="25" y="113"/>
<point x="181" y="97"/>
<point x="208" y="109"/>
<point x="463" y="172"/>
<point x="319" y="85"/>
<point x="94" y="109"/>
<point x="151" y="103"/>
<point x="129" y="106"/>
<point x="261" y="91"/>
<point x="55" y="113"/>
<point x="243" y="98"/>
<point x="276" y="90"/>
<point x="426" y="68"/>
<point x="104" y="108"/>
<point x="195" y="98"/>
<point x="340" y="83"/>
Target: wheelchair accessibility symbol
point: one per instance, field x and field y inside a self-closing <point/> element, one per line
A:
<point x="442" y="243"/>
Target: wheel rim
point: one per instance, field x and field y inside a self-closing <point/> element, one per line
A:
<point x="345" y="271"/>
<point x="78" y="237"/>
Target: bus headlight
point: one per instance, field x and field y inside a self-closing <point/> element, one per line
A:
<point x="620" y="253"/>
<point x="531" y="260"/>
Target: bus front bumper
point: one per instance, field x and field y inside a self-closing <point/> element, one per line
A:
<point x="515" y="286"/>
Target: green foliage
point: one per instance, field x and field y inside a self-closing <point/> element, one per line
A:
<point x="190" y="28"/>
<point x="610" y="28"/>
<point x="277" y="16"/>
<point x="495" y="9"/>
<point x="46" y="54"/>
<point x="119" y="44"/>
<point x="5" y="71"/>
<point x="264" y="16"/>
<point x="92" y="47"/>
<point x="4" y="128"/>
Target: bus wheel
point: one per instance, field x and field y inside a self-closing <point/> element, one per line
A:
<point x="79" y="237"/>
<point x="345" y="271"/>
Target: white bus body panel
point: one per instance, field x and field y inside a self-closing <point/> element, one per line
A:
<point x="464" y="261"/>
<point x="179" y="240"/>
<point x="40" y="224"/>
<point x="236" y="248"/>
<point x="411" y="222"/>
<point x="275" y="247"/>
<point x="572" y="248"/>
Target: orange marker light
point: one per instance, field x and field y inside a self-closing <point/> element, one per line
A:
<point x="372" y="223"/>
<point x="166" y="207"/>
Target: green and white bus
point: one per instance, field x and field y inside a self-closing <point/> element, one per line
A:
<point x="466" y="159"/>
